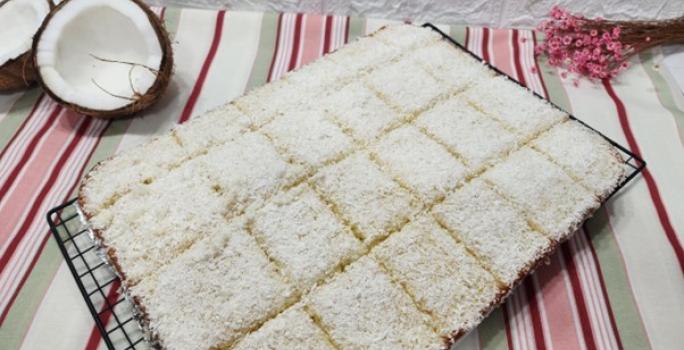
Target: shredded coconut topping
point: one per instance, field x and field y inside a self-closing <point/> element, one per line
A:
<point x="552" y="198"/>
<point x="513" y="105"/>
<point x="371" y="200"/>
<point x="440" y="273"/>
<point x="364" y="309"/>
<point x="386" y="196"/>
<point x="425" y="165"/>
<point x="493" y="228"/>
<point x="477" y="138"/>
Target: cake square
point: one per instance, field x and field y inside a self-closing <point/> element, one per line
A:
<point x="515" y="106"/>
<point x="247" y="171"/>
<point x="360" y="111"/>
<point x="553" y="200"/>
<point x="216" y="127"/>
<point x="222" y="287"/>
<point x="585" y="154"/>
<point x="369" y="199"/>
<point x="407" y="36"/>
<point x="323" y="73"/>
<point x="364" y="54"/>
<point x="297" y="229"/>
<point x="263" y="104"/>
<point x="467" y="132"/>
<point x="441" y="275"/>
<point x="408" y="87"/>
<point x="491" y="227"/>
<point x="129" y="169"/>
<point x="420" y="162"/>
<point x="308" y="137"/>
<point x="363" y="309"/>
<point x="293" y="329"/>
<point x="143" y="242"/>
<point x="451" y="65"/>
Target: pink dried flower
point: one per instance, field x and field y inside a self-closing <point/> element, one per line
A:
<point x="593" y="48"/>
<point x="616" y="32"/>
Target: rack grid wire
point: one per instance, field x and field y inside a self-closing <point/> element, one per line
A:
<point x="115" y="316"/>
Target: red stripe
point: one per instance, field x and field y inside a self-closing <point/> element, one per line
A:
<point x="531" y="293"/>
<point x="327" y="38"/>
<point x="516" y="54"/>
<point x="507" y="322"/>
<point x="585" y="322"/>
<point x="23" y="280"/>
<point x="4" y="190"/>
<point x="4" y="260"/>
<point x="112" y="297"/>
<point x="199" y="83"/>
<point x="530" y="289"/>
<point x="32" y="213"/>
<point x="467" y="37"/>
<point x="277" y="46"/>
<point x="346" y="30"/>
<point x="485" y="44"/>
<point x="296" y="42"/>
<point x="39" y="252"/>
<point x="650" y="181"/>
<point x="604" y="290"/>
<point x="22" y="126"/>
<point x="536" y="65"/>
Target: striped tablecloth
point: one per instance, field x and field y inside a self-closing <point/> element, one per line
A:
<point x="618" y="283"/>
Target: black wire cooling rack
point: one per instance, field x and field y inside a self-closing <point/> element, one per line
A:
<point x="115" y="316"/>
<point x="631" y="160"/>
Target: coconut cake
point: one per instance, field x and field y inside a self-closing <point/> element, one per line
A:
<point x="386" y="196"/>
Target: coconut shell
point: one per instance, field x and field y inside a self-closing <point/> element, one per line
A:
<point x="18" y="73"/>
<point x="153" y="94"/>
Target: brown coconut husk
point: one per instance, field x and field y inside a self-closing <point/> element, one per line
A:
<point x="141" y="101"/>
<point x="18" y="73"/>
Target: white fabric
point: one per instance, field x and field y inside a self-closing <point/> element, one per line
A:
<point x="493" y="13"/>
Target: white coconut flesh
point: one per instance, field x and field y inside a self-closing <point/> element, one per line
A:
<point x="99" y="54"/>
<point x="19" y="20"/>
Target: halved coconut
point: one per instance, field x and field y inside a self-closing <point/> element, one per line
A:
<point x="19" y="21"/>
<point x="104" y="58"/>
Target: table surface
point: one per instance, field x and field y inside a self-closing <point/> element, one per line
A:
<point x="619" y="282"/>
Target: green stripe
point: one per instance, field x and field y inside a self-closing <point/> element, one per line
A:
<point x="493" y="331"/>
<point x="554" y="86"/>
<point x="458" y="33"/>
<point x="357" y="27"/>
<point x="620" y="297"/>
<point x="553" y="83"/>
<point x="663" y="90"/>
<point x="16" y="115"/>
<point x="624" y="308"/>
<point x="25" y="306"/>
<point x="171" y="18"/>
<point x="265" y="51"/>
<point x="108" y="145"/>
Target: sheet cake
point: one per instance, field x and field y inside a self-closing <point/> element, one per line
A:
<point x="386" y="196"/>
